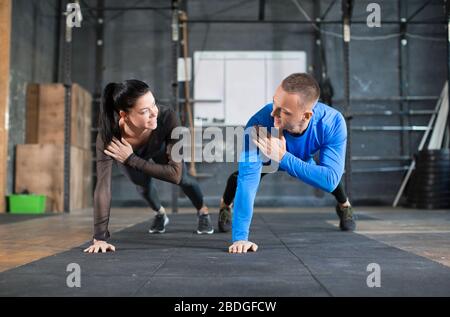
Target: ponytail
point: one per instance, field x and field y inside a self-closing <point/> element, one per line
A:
<point x="109" y="116"/>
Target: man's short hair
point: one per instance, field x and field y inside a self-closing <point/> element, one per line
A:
<point x="304" y="85"/>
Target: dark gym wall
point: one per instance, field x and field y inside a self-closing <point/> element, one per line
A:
<point x="137" y="44"/>
<point x="33" y="59"/>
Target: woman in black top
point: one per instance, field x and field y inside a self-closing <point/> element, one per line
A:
<point x="133" y="130"/>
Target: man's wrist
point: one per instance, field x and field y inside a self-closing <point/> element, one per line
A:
<point x="284" y="159"/>
<point x="282" y="156"/>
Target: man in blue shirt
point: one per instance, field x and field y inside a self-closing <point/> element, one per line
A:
<point x="304" y="127"/>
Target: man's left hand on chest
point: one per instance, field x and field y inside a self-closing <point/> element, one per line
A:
<point x="272" y="147"/>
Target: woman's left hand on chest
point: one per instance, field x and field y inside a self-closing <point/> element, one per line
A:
<point x="119" y="150"/>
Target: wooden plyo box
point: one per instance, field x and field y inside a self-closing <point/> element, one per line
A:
<point x="40" y="170"/>
<point x="45" y="115"/>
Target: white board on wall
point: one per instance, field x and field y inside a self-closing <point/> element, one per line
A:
<point x="239" y="83"/>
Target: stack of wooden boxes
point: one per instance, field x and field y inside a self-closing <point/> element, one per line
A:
<point x="40" y="162"/>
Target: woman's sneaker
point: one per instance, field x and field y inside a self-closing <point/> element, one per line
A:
<point x="204" y="225"/>
<point x="225" y="219"/>
<point x="159" y="224"/>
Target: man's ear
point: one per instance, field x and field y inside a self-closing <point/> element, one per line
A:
<point x="308" y="115"/>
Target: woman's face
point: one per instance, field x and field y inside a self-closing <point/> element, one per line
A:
<point x="144" y="113"/>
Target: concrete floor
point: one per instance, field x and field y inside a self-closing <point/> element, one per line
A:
<point x="302" y="253"/>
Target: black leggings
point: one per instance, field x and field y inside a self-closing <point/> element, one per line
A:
<point x="147" y="190"/>
<point x="230" y="190"/>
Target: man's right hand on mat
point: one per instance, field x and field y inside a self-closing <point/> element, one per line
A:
<point x="101" y="246"/>
<point x="242" y="247"/>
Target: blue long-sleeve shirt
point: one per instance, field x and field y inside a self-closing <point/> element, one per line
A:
<point x="326" y="133"/>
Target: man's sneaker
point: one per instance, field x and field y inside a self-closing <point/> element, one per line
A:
<point x="225" y="219"/>
<point x="159" y="224"/>
<point x="346" y="219"/>
<point x="204" y="225"/>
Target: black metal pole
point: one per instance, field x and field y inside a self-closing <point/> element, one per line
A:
<point x="99" y="45"/>
<point x="146" y="8"/>
<point x="317" y="43"/>
<point x="60" y="25"/>
<point x="403" y="77"/>
<point x="175" y="92"/>
<point x="262" y="10"/>
<point x="347" y="6"/>
<point x="447" y="14"/>
<point x="67" y="77"/>
<point x="318" y="67"/>
<point x="255" y="21"/>
<point x="99" y="41"/>
<point x="321" y="71"/>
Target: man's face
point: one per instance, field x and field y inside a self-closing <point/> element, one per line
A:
<point x="289" y="113"/>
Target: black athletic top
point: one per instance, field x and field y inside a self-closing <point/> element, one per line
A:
<point x="163" y="167"/>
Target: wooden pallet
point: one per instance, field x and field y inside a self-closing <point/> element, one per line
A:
<point x="40" y="170"/>
<point x="45" y="115"/>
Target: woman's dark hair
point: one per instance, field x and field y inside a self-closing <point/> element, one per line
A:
<point x="116" y="97"/>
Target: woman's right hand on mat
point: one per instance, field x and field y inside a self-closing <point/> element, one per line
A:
<point x="242" y="247"/>
<point x="101" y="246"/>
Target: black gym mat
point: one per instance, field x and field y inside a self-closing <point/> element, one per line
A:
<point x="300" y="255"/>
